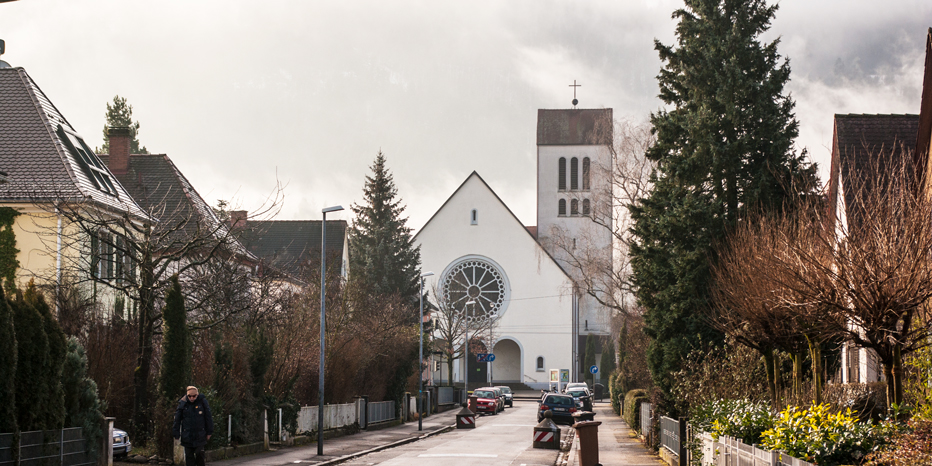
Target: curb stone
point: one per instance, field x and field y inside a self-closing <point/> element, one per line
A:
<point x="398" y="443"/>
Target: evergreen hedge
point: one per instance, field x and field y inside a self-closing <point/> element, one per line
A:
<point x="633" y="400"/>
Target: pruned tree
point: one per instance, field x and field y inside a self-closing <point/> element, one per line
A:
<point x="755" y="278"/>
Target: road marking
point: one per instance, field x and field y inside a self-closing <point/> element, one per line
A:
<point x="511" y="425"/>
<point x="456" y="455"/>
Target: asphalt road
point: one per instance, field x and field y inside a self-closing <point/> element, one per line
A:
<point x="503" y="439"/>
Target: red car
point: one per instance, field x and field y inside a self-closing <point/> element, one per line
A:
<point x="488" y="401"/>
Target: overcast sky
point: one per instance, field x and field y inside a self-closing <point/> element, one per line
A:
<point x="241" y="93"/>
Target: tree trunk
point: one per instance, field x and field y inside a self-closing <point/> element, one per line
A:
<point x="146" y="319"/>
<point x="894" y="374"/>
<point x="815" y="353"/>
<point x="797" y="374"/>
<point x="771" y="378"/>
<point x="777" y="380"/>
<point x="450" y="367"/>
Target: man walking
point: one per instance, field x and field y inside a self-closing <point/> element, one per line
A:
<point x="194" y="425"/>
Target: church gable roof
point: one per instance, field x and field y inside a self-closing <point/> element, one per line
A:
<point x="44" y="157"/>
<point x="517" y="223"/>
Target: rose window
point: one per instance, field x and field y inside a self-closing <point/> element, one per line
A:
<point x="476" y="286"/>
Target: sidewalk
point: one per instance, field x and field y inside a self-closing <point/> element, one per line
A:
<point x="339" y="449"/>
<point x="617" y="444"/>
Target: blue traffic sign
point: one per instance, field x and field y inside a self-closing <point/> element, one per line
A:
<point x="594" y="369"/>
<point x="485" y="357"/>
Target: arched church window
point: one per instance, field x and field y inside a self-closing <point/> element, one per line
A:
<point x="474" y="217"/>
<point x="477" y="287"/>
<point x="561" y="208"/>
<point x="561" y="169"/>
<point x="585" y="207"/>
<point x="574" y="173"/>
<point x="540" y="364"/>
<point x="585" y="174"/>
<point x="574" y="207"/>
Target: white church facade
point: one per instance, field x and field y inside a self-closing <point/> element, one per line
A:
<point x="488" y="264"/>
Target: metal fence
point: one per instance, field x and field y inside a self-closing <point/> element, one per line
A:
<point x="670" y="434"/>
<point x="645" y="419"/>
<point x="335" y="416"/>
<point x="445" y="395"/>
<point x="65" y="447"/>
<point x="729" y="451"/>
<point x="381" y="411"/>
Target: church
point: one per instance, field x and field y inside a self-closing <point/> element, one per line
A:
<point x="517" y="284"/>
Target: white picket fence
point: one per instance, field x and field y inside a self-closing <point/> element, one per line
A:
<point x="728" y="451"/>
<point x="335" y="416"/>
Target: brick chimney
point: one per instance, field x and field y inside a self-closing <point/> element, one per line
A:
<point x="120" y="138"/>
<point x="238" y="218"/>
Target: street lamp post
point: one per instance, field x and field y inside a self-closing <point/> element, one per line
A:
<point x="420" y="359"/>
<point x="323" y="326"/>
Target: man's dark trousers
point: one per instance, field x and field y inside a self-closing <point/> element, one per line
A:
<point x="194" y="456"/>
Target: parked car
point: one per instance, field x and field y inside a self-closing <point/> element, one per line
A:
<point x="562" y="407"/>
<point x="509" y="397"/>
<point x="487" y="400"/>
<point x="121" y="443"/>
<point x="577" y="395"/>
<point x="501" y="396"/>
<point x="575" y="385"/>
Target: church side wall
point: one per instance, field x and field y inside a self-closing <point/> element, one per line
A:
<point x="538" y="311"/>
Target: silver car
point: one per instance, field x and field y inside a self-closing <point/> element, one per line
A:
<point x="121" y="443"/>
<point x="509" y="397"/>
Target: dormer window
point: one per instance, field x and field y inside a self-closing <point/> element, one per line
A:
<point x="88" y="161"/>
<point x="474" y="217"/>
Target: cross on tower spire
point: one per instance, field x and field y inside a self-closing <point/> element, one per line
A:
<point x="574" y="86"/>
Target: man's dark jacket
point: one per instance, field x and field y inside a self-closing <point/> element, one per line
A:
<point x="193" y="422"/>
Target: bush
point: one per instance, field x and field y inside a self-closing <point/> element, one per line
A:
<point x="633" y="400"/>
<point x="614" y="392"/>
<point x="868" y="401"/>
<point x="742" y="419"/>
<point x="912" y="446"/>
<point x="817" y="435"/>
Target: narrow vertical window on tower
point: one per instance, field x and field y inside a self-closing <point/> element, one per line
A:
<point x="585" y="173"/>
<point x="474" y="217"/>
<point x="574" y="207"/>
<point x="561" y="208"/>
<point x="561" y="173"/>
<point x="574" y="173"/>
<point x="585" y="207"/>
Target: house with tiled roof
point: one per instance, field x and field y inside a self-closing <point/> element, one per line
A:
<point x="860" y="145"/>
<point x="51" y="170"/>
<point x="162" y="190"/>
<point x="291" y="248"/>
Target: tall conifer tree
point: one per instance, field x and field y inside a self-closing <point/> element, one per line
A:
<point x="7" y="367"/>
<point x="383" y="256"/>
<point x="54" y="412"/>
<point x="32" y="366"/>
<point x="724" y="148"/>
<point x="176" y="345"/>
